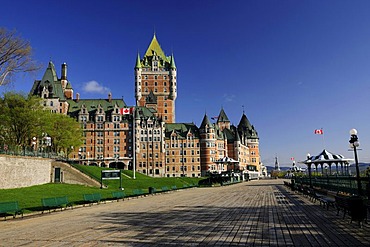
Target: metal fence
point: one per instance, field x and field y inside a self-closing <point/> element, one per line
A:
<point x="31" y="153"/>
<point x="336" y="183"/>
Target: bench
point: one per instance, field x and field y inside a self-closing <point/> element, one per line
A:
<point x="54" y="203"/>
<point x="91" y="198"/>
<point x="118" y="195"/>
<point x="10" y="208"/>
<point x="164" y="188"/>
<point x="341" y="203"/>
<point x="137" y="192"/>
<point x="327" y="201"/>
<point x="152" y="190"/>
<point x="357" y="209"/>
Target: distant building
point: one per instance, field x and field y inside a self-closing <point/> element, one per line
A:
<point x="277" y="166"/>
<point x="149" y="135"/>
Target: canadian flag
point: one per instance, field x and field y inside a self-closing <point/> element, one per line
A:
<point x="319" y="132"/>
<point x="125" y="111"/>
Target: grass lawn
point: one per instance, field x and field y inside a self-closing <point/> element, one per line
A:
<point x="29" y="198"/>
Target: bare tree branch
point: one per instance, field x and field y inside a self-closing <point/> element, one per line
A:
<point x="15" y="56"/>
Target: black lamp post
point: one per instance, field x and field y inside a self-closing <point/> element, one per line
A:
<point x="354" y="144"/>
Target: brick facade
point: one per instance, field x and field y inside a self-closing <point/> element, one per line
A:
<point x="163" y="148"/>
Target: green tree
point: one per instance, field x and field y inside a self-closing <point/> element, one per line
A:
<point x="24" y="118"/>
<point x="65" y="132"/>
<point x="21" y="118"/>
<point x="15" y="56"/>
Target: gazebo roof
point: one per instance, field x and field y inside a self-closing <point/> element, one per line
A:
<point x="226" y="160"/>
<point x="326" y="157"/>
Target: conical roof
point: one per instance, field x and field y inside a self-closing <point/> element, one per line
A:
<point x="138" y="64"/>
<point x="246" y="129"/>
<point x="50" y="74"/>
<point x="155" y="48"/>
<point x="172" y="63"/>
<point x="244" y="122"/>
<point x="205" y="122"/>
<point x="222" y="117"/>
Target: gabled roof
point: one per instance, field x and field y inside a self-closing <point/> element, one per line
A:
<point x="222" y="117"/>
<point x="144" y="112"/>
<point x="230" y="135"/>
<point x="151" y="98"/>
<point x="181" y="129"/>
<point x="155" y="48"/>
<point x="92" y="105"/>
<point x="51" y="83"/>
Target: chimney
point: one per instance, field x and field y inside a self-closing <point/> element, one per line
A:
<point x="77" y="97"/>
<point x="110" y="97"/>
<point x="64" y="71"/>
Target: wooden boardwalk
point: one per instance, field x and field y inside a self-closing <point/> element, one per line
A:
<point x="255" y="213"/>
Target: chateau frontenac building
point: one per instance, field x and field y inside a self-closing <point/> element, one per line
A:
<point x="148" y="139"/>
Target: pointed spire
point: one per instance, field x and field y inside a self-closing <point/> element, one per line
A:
<point x="244" y="122"/>
<point x="222" y="117"/>
<point x="138" y="63"/>
<point x="154" y="47"/>
<point x="50" y="73"/>
<point x="205" y="122"/>
<point x="172" y="63"/>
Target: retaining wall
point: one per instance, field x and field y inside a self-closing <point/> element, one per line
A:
<point x="17" y="172"/>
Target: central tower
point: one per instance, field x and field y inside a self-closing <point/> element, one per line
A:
<point x="156" y="82"/>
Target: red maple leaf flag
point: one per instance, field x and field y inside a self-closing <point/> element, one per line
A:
<point x="125" y="111"/>
<point x="319" y="132"/>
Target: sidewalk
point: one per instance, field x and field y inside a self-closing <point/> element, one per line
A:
<point x="255" y="213"/>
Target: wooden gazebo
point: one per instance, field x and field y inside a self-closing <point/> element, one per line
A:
<point x="325" y="160"/>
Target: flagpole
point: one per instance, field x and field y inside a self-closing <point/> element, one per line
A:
<point x="134" y="144"/>
<point x="323" y="137"/>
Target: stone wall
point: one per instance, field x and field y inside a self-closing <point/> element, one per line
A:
<point x="70" y="175"/>
<point x="17" y="172"/>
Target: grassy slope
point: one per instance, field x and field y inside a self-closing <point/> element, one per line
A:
<point x="29" y="198"/>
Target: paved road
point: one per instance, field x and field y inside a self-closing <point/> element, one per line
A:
<point x="255" y="213"/>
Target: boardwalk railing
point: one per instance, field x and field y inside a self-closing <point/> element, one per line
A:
<point x="335" y="183"/>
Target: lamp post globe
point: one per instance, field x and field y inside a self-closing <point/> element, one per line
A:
<point x="353" y="132"/>
<point x="354" y="144"/>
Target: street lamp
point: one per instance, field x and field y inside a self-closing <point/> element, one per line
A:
<point x="354" y="144"/>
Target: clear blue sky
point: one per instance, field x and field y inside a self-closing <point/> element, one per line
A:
<point x="295" y="66"/>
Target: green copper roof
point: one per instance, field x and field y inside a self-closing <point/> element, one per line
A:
<point x="205" y="122"/>
<point x="155" y="48"/>
<point x="246" y="128"/>
<point x="50" y="82"/>
<point x="144" y="112"/>
<point x="244" y="122"/>
<point x="182" y="129"/>
<point x="230" y="135"/>
<point x="151" y="98"/>
<point x="92" y="105"/>
<point x="69" y="86"/>
<point x="50" y="73"/>
<point x="222" y="117"/>
<point x="138" y="64"/>
<point x="172" y="63"/>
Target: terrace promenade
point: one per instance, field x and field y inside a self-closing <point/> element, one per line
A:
<point x="255" y="213"/>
